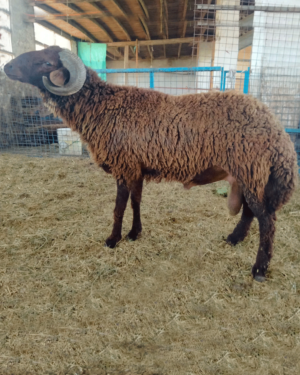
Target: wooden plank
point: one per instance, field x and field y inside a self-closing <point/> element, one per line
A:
<point x="118" y="22"/>
<point x="147" y="32"/>
<point x="144" y="8"/>
<point x="126" y="59"/>
<point x="55" y="13"/>
<point x="95" y="22"/>
<point x="57" y="30"/>
<point x="120" y="8"/>
<point x="185" y="5"/>
<point x="152" y="42"/>
<point x="49" y="2"/>
<point x="212" y="64"/>
<point x="166" y="19"/>
<point x="114" y="52"/>
<point x="91" y="15"/>
<point x="137" y="63"/>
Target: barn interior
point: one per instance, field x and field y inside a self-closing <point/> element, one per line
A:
<point x="179" y="300"/>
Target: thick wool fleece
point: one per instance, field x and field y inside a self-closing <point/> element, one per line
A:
<point x="134" y="132"/>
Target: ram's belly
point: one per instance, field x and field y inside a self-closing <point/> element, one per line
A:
<point x="214" y="174"/>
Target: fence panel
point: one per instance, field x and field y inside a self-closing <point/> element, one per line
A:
<point x="28" y="127"/>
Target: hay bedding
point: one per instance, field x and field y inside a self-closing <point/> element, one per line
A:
<point x="178" y="301"/>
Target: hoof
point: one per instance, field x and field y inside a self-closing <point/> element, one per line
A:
<point x="112" y="242"/>
<point x="231" y="240"/>
<point x="259" y="273"/>
<point x="260" y="279"/>
<point x="132" y="235"/>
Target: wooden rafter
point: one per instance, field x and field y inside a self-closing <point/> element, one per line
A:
<point x="95" y="21"/>
<point x="111" y="53"/>
<point x="48" y="2"/>
<point x="146" y="29"/>
<point x="152" y="42"/>
<point x="161" y="17"/>
<point x="166" y="18"/>
<point x="144" y="8"/>
<point x="107" y="14"/>
<point x="70" y="2"/>
<point x="92" y="15"/>
<point x="120" y="8"/>
<point x="184" y="24"/>
<point x="73" y="23"/>
<point x="57" y="30"/>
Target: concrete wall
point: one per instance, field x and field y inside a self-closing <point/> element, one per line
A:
<point x="22" y="35"/>
<point x="22" y="32"/>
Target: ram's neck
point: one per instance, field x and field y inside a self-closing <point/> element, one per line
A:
<point x="78" y="110"/>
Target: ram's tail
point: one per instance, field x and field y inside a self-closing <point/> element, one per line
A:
<point x="283" y="180"/>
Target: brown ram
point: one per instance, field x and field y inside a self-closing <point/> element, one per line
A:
<point x="138" y="134"/>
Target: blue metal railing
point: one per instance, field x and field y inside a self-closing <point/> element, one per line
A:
<point x="246" y="79"/>
<point x="162" y="70"/>
<point x="151" y="71"/>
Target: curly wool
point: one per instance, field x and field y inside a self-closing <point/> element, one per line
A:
<point x="135" y="132"/>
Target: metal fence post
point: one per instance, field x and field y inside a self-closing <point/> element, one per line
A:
<point x="246" y="81"/>
<point x="221" y="83"/>
<point x="152" y="80"/>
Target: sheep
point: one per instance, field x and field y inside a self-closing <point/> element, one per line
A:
<point x="140" y="134"/>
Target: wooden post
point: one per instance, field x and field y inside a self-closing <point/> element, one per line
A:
<point x="126" y="58"/>
<point x="197" y="64"/>
<point x="137" y="63"/>
<point x="212" y="64"/>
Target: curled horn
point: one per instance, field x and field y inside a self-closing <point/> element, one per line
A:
<point x="77" y="72"/>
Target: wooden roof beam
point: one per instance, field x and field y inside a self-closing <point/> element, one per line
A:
<point x="185" y="5"/>
<point x="120" y="8"/>
<point x="95" y="21"/>
<point x="166" y="18"/>
<point x="144" y="8"/>
<point x="57" y="30"/>
<point x="102" y="14"/>
<point x="147" y="32"/>
<point x="73" y="23"/>
<point x="112" y="54"/>
<point x="70" y="2"/>
<point x="152" y="42"/>
<point x="118" y="22"/>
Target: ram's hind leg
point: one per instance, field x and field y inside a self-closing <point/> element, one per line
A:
<point x="136" y="197"/>
<point x="241" y="230"/>
<point x="121" y="202"/>
<point x="265" y="250"/>
<point x="266" y="220"/>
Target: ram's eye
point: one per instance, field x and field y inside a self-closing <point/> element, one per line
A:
<point x="48" y="64"/>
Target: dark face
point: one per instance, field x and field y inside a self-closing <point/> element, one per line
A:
<point x="30" y="67"/>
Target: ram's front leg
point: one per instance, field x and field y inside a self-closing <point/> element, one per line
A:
<point x="136" y="197"/>
<point x="121" y="202"/>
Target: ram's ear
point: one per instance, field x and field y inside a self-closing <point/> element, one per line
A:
<point x="59" y="77"/>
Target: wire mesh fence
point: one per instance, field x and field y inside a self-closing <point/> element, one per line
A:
<point x="258" y="36"/>
<point x="27" y="126"/>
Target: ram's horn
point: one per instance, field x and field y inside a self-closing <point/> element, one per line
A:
<point x="77" y="72"/>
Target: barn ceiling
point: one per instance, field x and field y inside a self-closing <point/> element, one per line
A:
<point x="110" y="21"/>
<point x="160" y="28"/>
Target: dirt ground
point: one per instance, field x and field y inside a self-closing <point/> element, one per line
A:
<point x="177" y="301"/>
